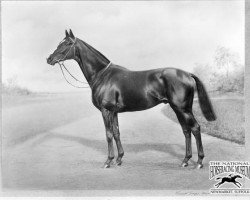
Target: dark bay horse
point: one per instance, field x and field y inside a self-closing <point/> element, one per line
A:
<point x="116" y="89"/>
<point x="229" y="179"/>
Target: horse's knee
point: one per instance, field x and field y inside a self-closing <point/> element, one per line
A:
<point x="109" y="136"/>
<point x="116" y="132"/>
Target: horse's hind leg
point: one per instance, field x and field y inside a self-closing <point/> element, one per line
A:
<point x="188" y="155"/>
<point x="187" y="120"/>
<point x="220" y="183"/>
<point x="217" y="185"/>
<point x="187" y="133"/>
<point x="117" y="140"/>
<point x="197" y="134"/>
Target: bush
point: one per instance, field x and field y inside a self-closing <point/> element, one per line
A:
<point x="12" y="88"/>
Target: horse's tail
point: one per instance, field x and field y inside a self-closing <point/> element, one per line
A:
<point x="204" y="101"/>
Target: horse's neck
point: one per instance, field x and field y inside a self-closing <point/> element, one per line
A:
<point x="89" y="62"/>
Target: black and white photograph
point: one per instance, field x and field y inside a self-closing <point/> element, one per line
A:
<point x="123" y="98"/>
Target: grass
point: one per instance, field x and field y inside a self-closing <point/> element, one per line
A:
<point x="230" y="119"/>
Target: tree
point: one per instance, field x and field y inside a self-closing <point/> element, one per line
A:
<point x="217" y="77"/>
<point x="224" y="59"/>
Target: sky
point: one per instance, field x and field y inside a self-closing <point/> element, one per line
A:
<point x="137" y="35"/>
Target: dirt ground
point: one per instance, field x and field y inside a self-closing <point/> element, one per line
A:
<point x="57" y="142"/>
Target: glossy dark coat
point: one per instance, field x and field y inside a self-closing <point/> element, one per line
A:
<point x="116" y="89"/>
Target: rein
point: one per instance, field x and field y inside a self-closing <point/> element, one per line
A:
<point x="71" y="76"/>
<point x="63" y="66"/>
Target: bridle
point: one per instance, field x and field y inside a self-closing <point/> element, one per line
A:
<point x="73" y="45"/>
<point x="61" y="64"/>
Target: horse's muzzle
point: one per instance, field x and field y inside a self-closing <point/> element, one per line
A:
<point x="50" y="61"/>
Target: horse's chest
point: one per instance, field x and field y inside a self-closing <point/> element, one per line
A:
<point x="105" y="98"/>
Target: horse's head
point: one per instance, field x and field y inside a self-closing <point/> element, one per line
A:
<point x="237" y="176"/>
<point x="65" y="50"/>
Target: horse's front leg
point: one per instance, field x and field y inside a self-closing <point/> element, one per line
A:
<point x="117" y="140"/>
<point x="235" y="183"/>
<point x="108" y="118"/>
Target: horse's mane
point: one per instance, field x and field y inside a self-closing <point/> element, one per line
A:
<point x="99" y="54"/>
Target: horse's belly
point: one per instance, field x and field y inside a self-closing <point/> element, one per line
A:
<point x="136" y="100"/>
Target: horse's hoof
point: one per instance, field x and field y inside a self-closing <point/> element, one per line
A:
<point x="184" y="164"/>
<point x="199" y="166"/>
<point x="118" y="163"/>
<point x="106" y="166"/>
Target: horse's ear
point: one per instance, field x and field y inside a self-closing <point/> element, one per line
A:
<point x="66" y="33"/>
<point x="71" y="34"/>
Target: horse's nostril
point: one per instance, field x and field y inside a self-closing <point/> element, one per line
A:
<point x="48" y="59"/>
